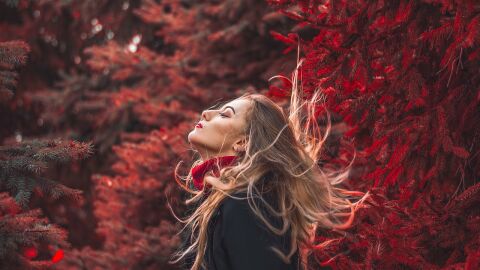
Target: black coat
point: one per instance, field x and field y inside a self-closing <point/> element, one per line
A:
<point x="238" y="240"/>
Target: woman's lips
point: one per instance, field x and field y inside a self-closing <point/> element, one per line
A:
<point x="199" y="125"/>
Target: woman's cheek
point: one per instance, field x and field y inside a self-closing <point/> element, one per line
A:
<point x="227" y="129"/>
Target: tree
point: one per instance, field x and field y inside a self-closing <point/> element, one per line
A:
<point x="24" y="234"/>
<point x="404" y="77"/>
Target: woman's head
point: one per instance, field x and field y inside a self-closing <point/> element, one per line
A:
<point x="243" y="126"/>
<point x="222" y="129"/>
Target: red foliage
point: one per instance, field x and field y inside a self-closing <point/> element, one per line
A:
<point x="402" y="75"/>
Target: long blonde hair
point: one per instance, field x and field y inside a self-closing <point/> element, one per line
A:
<point x="288" y="149"/>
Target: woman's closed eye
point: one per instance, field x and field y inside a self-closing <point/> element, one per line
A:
<point x="223" y="115"/>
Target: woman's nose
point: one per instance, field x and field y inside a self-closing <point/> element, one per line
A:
<point x="205" y="115"/>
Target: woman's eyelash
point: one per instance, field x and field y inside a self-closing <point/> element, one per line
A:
<point x="222" y="114"/>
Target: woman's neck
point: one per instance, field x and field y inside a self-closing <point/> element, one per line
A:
<point x="206" y="155"/>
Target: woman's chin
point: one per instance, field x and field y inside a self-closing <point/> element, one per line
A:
<point x="189" y="138"/>
<point x="194" y="139"/>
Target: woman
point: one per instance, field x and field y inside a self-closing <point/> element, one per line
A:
<point x="259" y="192"/>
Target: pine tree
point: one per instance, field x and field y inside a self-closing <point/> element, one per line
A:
<point x="25" y="236"/>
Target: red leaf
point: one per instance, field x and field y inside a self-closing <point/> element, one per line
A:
<point x="389" y="68"/>
<point x="58" y="256"/>
<point x="376" y="176"/>
<point x="471" y="192"/>
<point x="391" y="178"/>
<point x="403" y="13"/>
<point x="293" y="15"/>
<point x="398" y="154"/>
<point x="336" y="40"/>
<point x="323" y="71"/>
<point x="431" y="173"/>
<point x="287" y="50"/>
<point x="321" y="16"/>
<point x="380" y="22"/>
<point x="276" y="91"/>
<point x="417" y="202"/>
<point x="288" y="40"/>
<point x="473" y="30"/>
<point x="375" y="145"/>
<point x="30" y="252"/>
<point x="329" y="91"/>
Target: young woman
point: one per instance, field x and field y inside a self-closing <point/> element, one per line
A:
<point x="259" y="192"/>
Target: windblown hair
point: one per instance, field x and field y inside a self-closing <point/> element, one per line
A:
<point x="287" y="148"/>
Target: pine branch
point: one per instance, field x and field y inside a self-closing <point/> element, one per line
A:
<point x="470" y="197"/>
<point x="12" y="55"/>
<point x="21" y="164"/>
<point x="21" y="230"/>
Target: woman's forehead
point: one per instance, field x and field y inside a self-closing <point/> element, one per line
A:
<point x="239" y="105"/>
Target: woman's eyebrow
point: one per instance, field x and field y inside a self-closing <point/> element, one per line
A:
<point x="230" y="108"/>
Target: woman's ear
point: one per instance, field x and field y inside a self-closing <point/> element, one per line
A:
<point x="240" y="145"/>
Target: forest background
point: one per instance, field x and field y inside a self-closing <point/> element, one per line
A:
<point x="97" y="99"/>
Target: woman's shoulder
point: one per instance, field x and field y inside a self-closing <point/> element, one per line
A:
<point x="239" y="208"/>
<point x="240" y="200"/>
<point x="245" y="235"/>
<point x="237" y="203"/>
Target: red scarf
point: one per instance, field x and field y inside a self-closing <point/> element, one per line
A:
<point x="215" y="165"/>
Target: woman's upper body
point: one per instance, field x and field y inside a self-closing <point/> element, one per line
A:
<point x="238" y="239"/>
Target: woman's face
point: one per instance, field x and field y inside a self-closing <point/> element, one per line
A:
<point x="219" y="131"/>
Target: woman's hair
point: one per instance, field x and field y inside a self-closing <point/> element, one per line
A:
<point x="286" y="149"/>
